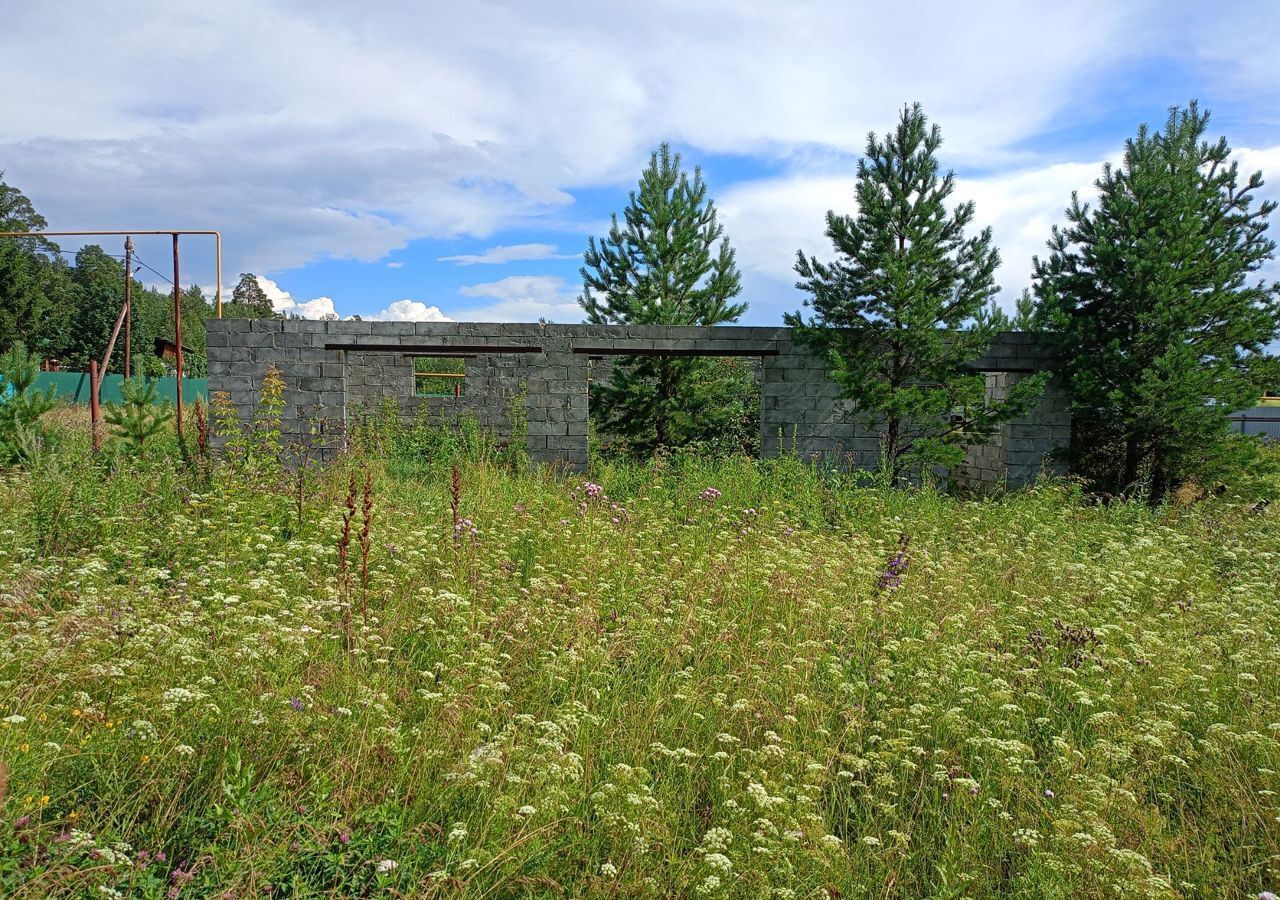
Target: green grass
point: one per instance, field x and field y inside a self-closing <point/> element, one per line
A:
<point x="433" y="376"/>
<point x="649" y="695"/>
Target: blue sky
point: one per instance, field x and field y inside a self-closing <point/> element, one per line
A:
<point x="426" y="160"/>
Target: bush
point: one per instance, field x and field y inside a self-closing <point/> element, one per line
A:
<point x="22" y="438"/>
<point x="139" y="417"/>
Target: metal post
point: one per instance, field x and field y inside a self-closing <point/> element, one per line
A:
<point x="177" y="326"/>
<point x="111" y="344"/>
<point x="128" y="305"/>
<point x="217" y="297"/>
<point x="94" y="428"/>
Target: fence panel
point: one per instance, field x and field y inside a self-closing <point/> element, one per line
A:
<point x="74" y="387"/>
<point x="1261" y="420"/>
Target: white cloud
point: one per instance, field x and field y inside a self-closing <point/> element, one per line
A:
<point x="284" y="303"/>
<point x="770" y="219"/>
<point x="524" y="298"/>
<point x="410" y="311"/>
<point x="1022" y="209"/>
<point x="508" y="253"/>
<point x="305" y="133"/>
<point x="767" y="220"/>
<point x="395" y="265"/>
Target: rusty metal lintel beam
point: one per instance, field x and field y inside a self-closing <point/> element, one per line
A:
<point x="433" y="350"/>
<point x="599" y="352"/>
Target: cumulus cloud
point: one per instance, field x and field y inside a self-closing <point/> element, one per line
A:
<point x="316" y="144"/>
<point x="302" y="134"/>
<point x="524" y="298"/>
<point x="286" y="304"/>
<point x="410" y="311"/>
<point x="506" y="253"/>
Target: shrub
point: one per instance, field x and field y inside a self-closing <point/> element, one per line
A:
<point x="139" y="418"/>
<point x="21" y="407"/>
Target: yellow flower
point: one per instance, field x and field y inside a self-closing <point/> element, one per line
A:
<point x="44" y="801"/>
<point x="73" y="816"/>
<point x="42" y="717"/>
<point x="146" y="758"/>
<point x="110" y="724"/>
<point x="26" y="747"/>
<point x="77" y="713"/>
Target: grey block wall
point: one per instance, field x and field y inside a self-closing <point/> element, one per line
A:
<point x="337" y="370"/>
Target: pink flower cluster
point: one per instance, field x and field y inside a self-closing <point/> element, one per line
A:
<point x="465" y="526"/>
<point x="591" y="493"/>
<point x="709" y="495"/>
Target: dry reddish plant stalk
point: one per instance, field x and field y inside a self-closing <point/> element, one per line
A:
<point x="455" y="500"/>
<point x="202" y="429"/>
<point x="344" y="570"/>
<point x="366" y="542"/>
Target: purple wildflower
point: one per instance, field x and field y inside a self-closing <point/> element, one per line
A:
<point x="180" y="878"/>
<point x="709" y="495"/>
<point x="297" y="704"/>
<point x="891" y="577"/>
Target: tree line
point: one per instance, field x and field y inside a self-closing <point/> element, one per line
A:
<point x="63" y="307"/>
<point x="1151" y="295"/>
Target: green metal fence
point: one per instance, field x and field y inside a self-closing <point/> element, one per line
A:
<point x="74" y="387"/>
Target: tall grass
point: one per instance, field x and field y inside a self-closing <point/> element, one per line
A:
<point x="627" y="686"/>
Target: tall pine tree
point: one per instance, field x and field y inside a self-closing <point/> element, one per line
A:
<point x="900" y="311"/>
<point x="668" y="263"/>
<point x="248" y="300"/>
<point x="1152" y="304"/>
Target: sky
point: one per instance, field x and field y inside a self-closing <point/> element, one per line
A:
<point x="426" y="160"/>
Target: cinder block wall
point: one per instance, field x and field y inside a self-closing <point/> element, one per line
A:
<point x="336" y="371"/>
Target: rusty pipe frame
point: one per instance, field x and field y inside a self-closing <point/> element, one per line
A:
<point x="95" y="411"/>
<point x="217" y="238"/>
<point x="177" y="331"/>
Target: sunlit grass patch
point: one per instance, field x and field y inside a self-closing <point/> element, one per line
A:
<point x="679" y="679"/>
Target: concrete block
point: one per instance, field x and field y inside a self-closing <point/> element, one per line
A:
<point x="547" y="428"/>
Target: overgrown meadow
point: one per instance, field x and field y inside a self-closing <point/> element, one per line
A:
<point x="427" y="671"/>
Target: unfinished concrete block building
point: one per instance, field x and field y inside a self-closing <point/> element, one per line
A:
<point x="533" y="379"/>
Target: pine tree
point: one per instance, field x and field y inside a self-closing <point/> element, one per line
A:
<point x="140" y="416"/>
<point x="1023" y="318"/>
<point x="22" y="437"/>
<point x="1149" y="297"/>
<point x="249" y="300"/>
<point x="669" y="264"/>
<point x="900" y="311"/>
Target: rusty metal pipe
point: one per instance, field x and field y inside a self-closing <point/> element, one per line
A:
<point x="177" y="327"/>
<point x="115" y="333"/>
<point x="128" y="305"/>
<point x="95" y="428"/>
